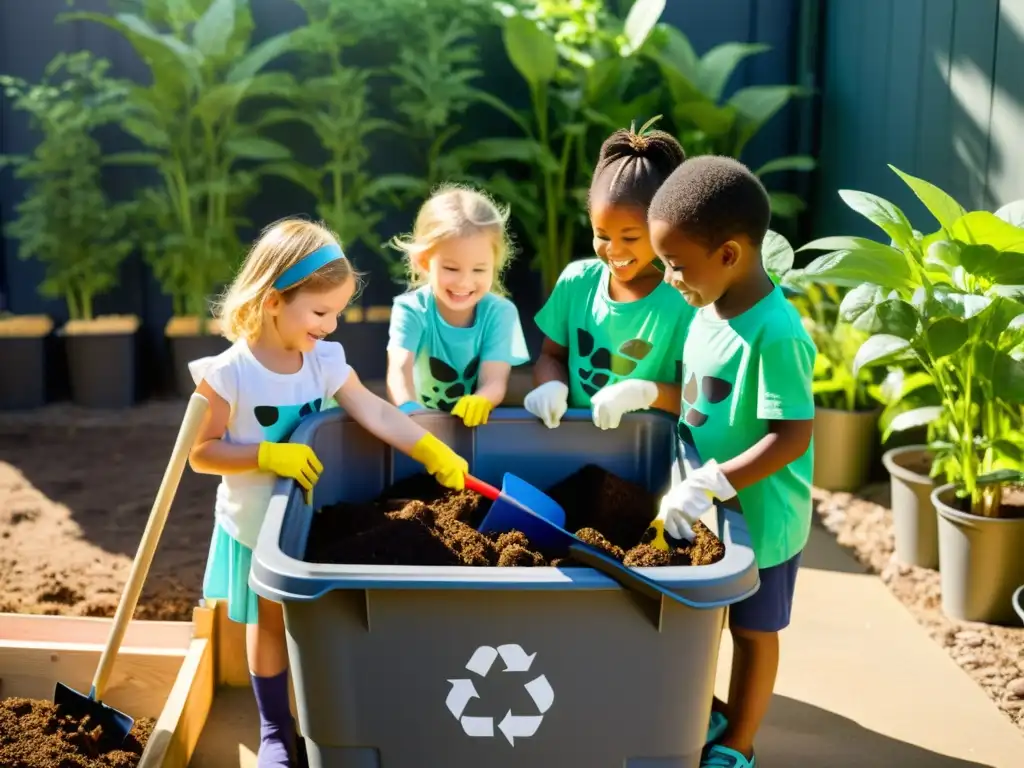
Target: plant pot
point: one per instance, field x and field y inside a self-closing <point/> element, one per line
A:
<point x="844" y="443"/>
<point x="101" y="360"/>
<point x="981" y="561"/>
<point x="188" y="344"/>
<point x="23" y="351"/>
<point x="364" y="335"/>
<point x="915" y="524"/>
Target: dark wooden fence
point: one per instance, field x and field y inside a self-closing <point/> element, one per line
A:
<point x="934" y="87"/>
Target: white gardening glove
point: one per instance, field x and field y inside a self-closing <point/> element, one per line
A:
<point x="687" y="502"/>
<point x="625" y="396"/>
<point x="548" y="402"/>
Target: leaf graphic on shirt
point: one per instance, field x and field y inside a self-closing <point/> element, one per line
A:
<point x="278" y="421"/>
<point x="714" y="389"/>
<point x="638" y="349"/>
<point x="457" y="385"/>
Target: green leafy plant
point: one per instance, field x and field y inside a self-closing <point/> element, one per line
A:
<point x="438" y="63"/>
<point x="578" y="62"/>
<point x="204" y="70"/>
<point x="950" y="304"/>
<point x="708" y="123"/>
<point x="437" y="68"/>
<point x="836" y="384"/>
<point x="66" y="220"/>
<point x="333" y="101"/>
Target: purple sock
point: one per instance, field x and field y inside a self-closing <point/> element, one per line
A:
<point x="277" y="730"/>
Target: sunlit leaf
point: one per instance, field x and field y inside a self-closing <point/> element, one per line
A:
<point x="942" y="206"/>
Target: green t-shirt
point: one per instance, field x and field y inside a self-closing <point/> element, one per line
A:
<point x="448" y="358"/>
<point x="613" y="340"/>
<point x="740" y="374"/>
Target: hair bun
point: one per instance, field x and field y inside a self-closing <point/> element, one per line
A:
<point x="633" y="163"/>
<point x="637" y="141"/>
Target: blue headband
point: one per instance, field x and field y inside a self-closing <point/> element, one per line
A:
<point x="307" y="265"/>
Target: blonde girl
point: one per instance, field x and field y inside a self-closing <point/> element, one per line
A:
<point x="454" y="336"/>
<point x="285" y="300"/>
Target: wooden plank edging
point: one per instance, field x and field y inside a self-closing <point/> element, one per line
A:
<point x="156" y="657"/>
<point x="181" y="722"/>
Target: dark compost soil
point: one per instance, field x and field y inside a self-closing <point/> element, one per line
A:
<point x="419" y="522"/>
<point x="35" y="734"/>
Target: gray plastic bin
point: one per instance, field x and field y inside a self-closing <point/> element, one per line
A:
<point x="459" y="667"/>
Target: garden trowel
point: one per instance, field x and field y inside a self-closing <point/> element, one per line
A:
<point x="115" y="724"/>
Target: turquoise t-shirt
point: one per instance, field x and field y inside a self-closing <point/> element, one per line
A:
<point x="740" y="374"/>
<point x="613" y="340"/>
<point x="448" y="358"/>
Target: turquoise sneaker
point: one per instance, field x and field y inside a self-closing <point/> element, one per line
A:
<point x="718" y="756"/>
<point x="717" y="727"/>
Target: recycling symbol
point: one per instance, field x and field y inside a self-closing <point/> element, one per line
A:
<point x="512" y="726"/>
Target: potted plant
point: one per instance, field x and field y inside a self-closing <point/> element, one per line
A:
<point x="204" y="71"/>
<point x="912" y="409"/>
<point x="23" y="350"/>
<point x="66" y="221"/>
<point x="847" y="404"/>
<point x="951" y="302"/>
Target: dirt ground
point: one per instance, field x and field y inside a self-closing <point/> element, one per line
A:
<point x="74" y="500"/>
<point x="992" y="656"/>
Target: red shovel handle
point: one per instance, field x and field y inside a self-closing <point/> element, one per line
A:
<point x="485" y="490"/>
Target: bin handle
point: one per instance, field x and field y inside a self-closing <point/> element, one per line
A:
<point x="626" y="576"/>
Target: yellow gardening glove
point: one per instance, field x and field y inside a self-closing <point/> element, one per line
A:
<point x="473" y="410"/>
<point x="293" y="460"/>
<point x="441" y="461"/>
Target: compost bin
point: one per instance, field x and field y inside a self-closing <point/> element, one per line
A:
<point x="462" y="667"/>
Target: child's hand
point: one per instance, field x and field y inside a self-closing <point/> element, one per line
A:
<point x="622" y="397"/>
<point x="293" y="460"/>
<point x="473" y="410"/>
<point x="548" y="402"/>
<point x="680" y="508"/>
<point x="685" y="503"/>
<point x="441" y="461"/>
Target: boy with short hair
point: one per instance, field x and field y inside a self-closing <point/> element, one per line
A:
<point x="747" y="371"/>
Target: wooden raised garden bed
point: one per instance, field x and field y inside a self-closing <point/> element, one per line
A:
<point x="166" y="670"/>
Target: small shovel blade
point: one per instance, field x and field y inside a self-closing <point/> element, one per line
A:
<point x="533" y="499"/>
<point x="114" y="724"/>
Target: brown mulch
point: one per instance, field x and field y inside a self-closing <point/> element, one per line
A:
<point x="993" y="656"/>
<point x="38" y="734"/>
<point x="418" y="522"/>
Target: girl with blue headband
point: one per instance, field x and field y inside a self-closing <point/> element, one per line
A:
<point x="455" y="336"/>
<point x="285" y="300"/>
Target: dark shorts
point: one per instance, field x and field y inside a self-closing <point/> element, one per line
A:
<point x="768" y="609"/>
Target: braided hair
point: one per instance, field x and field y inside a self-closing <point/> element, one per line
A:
<point x="633" y="165"/>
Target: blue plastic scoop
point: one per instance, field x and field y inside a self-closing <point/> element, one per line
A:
<point x="519" y="506"/>
<point x="522" y="507"/>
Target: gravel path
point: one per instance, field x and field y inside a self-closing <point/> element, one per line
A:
<point x="992" y="656"/>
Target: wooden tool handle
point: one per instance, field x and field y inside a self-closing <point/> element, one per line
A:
<point x="484" y="489"/>
<point x="194" y="413"/>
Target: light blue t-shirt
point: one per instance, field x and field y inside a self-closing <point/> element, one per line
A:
<point x="448" y="358"/>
